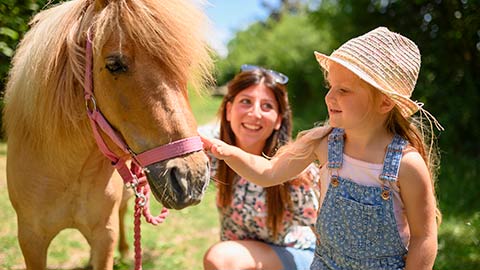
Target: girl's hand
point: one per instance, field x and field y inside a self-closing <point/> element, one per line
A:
<point x="218" y="148"/>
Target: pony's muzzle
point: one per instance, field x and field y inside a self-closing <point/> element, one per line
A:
<point x="180" y="182"/>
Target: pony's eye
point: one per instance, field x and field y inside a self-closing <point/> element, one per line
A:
<point x="116" y="64"/>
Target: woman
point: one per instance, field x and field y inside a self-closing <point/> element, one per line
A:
<point x="261" y="228"/>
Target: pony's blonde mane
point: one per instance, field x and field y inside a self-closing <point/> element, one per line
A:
<point x="44" y="104"/>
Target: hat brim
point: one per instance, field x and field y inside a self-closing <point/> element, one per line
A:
<point x="406" y="106"/>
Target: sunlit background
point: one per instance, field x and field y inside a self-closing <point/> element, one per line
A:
<point x="282" y="35"/>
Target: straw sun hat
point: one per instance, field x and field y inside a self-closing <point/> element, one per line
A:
<point x="388" y="61"/>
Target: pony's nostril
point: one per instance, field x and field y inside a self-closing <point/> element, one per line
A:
<point x="178" y="182"/>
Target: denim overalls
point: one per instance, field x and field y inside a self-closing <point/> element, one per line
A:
<point x="356" y="225"/>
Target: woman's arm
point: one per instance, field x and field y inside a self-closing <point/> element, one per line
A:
<point x="257" y="169"/>
<point x="418" y="197"/>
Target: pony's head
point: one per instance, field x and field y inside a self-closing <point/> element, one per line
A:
<point x="144" y="53"/>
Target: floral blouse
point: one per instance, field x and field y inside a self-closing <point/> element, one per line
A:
<point x="246" y="217"/>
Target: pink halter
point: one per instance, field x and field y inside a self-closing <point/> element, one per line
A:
<point x="98" y="121"/>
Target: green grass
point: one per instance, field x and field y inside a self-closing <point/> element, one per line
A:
<point x="204" y="107"/>
<point x="181" y="241"/>
<point x="178" y="243"/>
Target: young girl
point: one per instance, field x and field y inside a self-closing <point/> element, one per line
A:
<point x="261" y="228"/>
<point x="378" y="206"/>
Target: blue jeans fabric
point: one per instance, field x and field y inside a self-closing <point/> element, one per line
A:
<point x="294" y="258"/>
<point x="356" y="225"/>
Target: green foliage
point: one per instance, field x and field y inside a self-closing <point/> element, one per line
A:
<point x="457" y="188"/>
<point x="445" y="31"/>
<point x="459" y="243"/>
<point x="14" y="18"/>
<point x="447" y="35"/>
<point x="459" y="236"/>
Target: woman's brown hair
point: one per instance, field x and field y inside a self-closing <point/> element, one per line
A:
<point x="277" y="197"/>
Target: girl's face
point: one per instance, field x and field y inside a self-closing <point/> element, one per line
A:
<point x="253" y="115"/>
<point x="349" y="99"/>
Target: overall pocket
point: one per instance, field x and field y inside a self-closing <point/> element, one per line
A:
<point x="360" y="224"/>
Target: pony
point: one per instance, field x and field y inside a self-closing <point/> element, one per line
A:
<point x="145" y="53"/>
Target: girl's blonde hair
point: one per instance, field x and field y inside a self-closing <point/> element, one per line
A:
<point x="306" y="141"/>
<point x="417" y="134"/>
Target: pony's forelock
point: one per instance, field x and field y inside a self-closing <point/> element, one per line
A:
<point x="171" y="31"/>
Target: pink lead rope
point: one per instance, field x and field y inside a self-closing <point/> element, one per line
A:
<point x="133" y="177"/>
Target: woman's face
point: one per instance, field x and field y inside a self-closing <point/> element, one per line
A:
<point x="253" y="115"/>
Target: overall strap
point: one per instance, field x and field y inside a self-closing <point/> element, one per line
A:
<point x="335" y="148"/>
<point x="391" y="164"/>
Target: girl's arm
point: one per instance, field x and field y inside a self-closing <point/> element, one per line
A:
<point x="417" y="194"/>
<point x="257" y="169"/>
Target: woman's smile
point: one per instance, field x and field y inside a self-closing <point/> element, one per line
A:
<point x="252" y="127"/>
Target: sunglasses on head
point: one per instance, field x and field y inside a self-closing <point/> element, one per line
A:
<point x="279" y="78"/>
